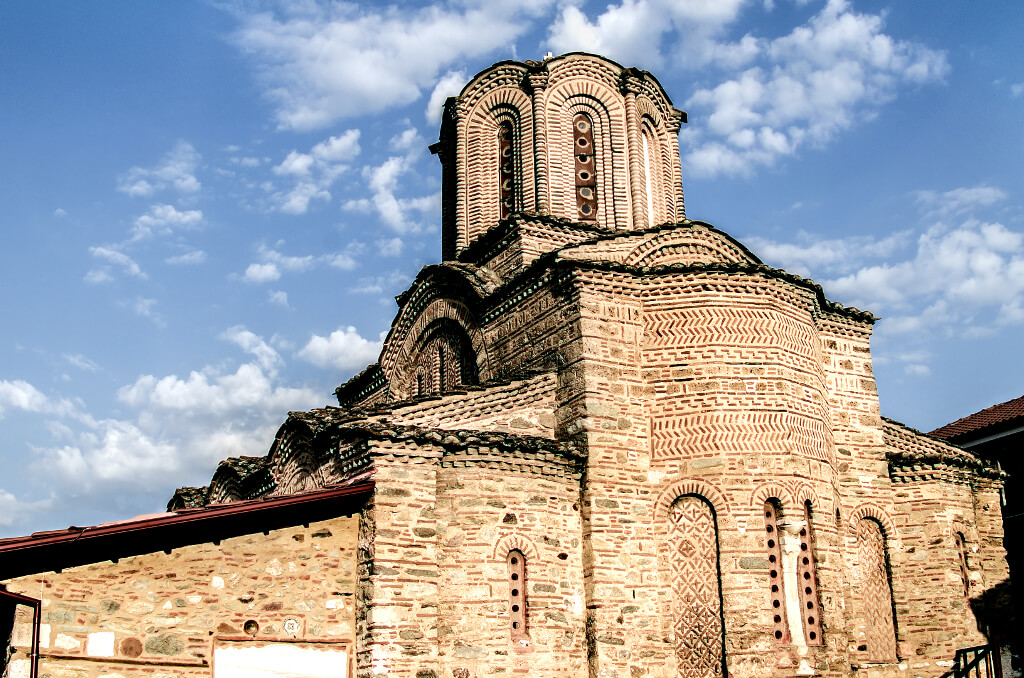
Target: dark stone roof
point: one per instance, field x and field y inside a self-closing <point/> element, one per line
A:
<point x="989" y="420"/>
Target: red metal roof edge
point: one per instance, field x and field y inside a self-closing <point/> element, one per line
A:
<point x="53" y="537"/>
<point x="982" y="419"/>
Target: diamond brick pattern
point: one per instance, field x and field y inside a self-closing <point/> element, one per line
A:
<point x="697" y="611"/>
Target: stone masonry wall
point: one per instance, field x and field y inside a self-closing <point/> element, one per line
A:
<point x="437" y="590"/>
<point x="739" y="415"/>
<point x="162" y="614"/>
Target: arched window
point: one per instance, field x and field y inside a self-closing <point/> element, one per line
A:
<point x="586" y="169"/>
<point x="445" y="362"/>
<point x="807" y="580"/>
<point x="506" y="168"/>
<point x="961" y="551"/>
<point x="517" y="593"/>
<point x="696" y="589"/>
<point x="776" y="580"/>
<point x="876" y="635"/>
<point x="648" y="148"/>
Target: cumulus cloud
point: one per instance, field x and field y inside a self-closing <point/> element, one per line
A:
<point x="802" y="89"/>
<point x="176" y="430"/>
<point x="344" y="349"/>
<point x="962" y="275"/>
<point x="449" y="85"/>
<point x="21" y="395"/>
<point x="315" y="172"/>
<point x="176" y="171"/>
<point x="164" y="220"/>
<point x="400" y="214"/>
<point x="630" y="32"/>
<point x="811" y="255"/>
<point x="114" y="258"/>
<point x="278" y="298"/>
<point x="187" y="259"/>
<point x="319" y="63"/>
<point x="958" y="200"/>
<point x="261" y="273"/>
<point x="379" y="283"/>
<point x="637" y="32"/>
<point x="272" y="262"/>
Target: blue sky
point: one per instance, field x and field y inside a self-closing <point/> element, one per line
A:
<point x="209" y="206"/>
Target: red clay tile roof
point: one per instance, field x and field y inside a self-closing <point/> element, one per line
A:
<point x="56" y="549"/>
<point x="1003" y="413"/>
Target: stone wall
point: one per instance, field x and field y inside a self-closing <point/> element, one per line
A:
<point x="163" y="614"/>
<point x="435" y="580"/>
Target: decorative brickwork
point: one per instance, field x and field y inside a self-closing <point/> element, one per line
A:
<point x="877" y="641"/>
<point x="697" y="611"/>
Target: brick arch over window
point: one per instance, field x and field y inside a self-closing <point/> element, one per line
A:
<point x="403" y="347"/>
<point x="707" y="491"/>
<point x="691" y="569"/>
<point x="603" y="106"/>
<point x="658" y="159"/>
<point x="515" y="542"/>
<point x="225" y="486"/>
<point x="700" y="243"/>
<point x="292" y="461"/>
<point x="444" y="360"/>
<point x="479" y="160"/>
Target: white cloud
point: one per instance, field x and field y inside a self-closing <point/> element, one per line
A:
<point x="21" y="395"/>
<point x="810" y="254"/>
<point x="81" y="362"/>
<point x="634" y="32"/>
<point x="315" y="172"/>
<point x="175" y="430"/>
<point x="344" y="349"/>
<point x="266" y="357"/>
<point x="629" y="32"/>
<point x="808" y="86"/>
<point x="383" y="180"/>
<point x="117" y="258"/>
<point x="295" y="163"/>
<point x="390" y="247"/>
<point x="176" y="171"/>
<point x="273" y="262"/>
<point x="261" y="273"/>
<point x="378" y="284"/>
<point x="163" y="220"/>
<point x="1016" y="89"/>
<point x="959" y="200"/>
<point x="320" y="63"/>
<point x="341" y="148"/>
<point x="279" y="298"/>
<point x="187" y="259"/>
<point x="59" y="212"/>
<point x="146" y="308"/>
<point x="449" y="85"/>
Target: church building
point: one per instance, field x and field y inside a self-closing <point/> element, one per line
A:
<point x="601" y="440"/>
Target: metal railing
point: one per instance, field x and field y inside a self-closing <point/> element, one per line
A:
<point x="981" y="661"/>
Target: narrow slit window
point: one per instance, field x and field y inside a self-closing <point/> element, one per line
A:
<point x="773" y="540"/>
<point x="441" y="385"/>
<point x="506" y="169"/>
<point x="647" y="176"/>
<point x="586" y="174"/>
<point x="807" y="579"/>
<point x="517" y="593"/>
<point x="961" y="551"/>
